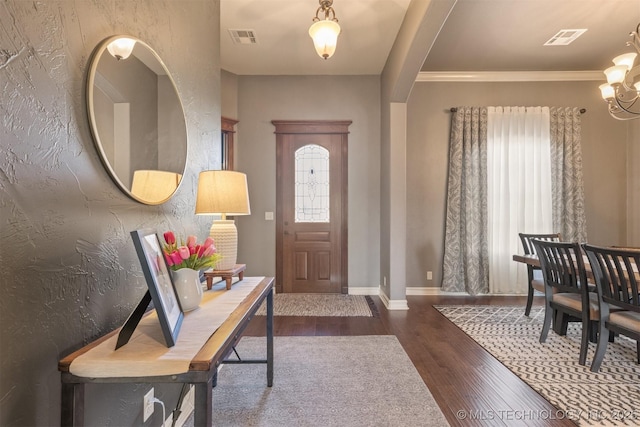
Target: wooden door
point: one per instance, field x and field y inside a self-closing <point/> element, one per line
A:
<point x="311" y="211"/>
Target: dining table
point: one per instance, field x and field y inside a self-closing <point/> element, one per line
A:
<point x="533" y="260"/>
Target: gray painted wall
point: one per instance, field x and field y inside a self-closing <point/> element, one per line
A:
<point x="604" y="142"/>
<point x="70" y="272"/>
<point x="262" y="99"/>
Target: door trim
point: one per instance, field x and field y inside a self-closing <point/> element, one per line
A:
<point x="288" y="127"/>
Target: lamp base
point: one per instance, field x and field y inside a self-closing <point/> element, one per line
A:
<point x="225" y="237"/>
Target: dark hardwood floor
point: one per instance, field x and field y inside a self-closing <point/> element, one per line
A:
<point x="470" y="386"/>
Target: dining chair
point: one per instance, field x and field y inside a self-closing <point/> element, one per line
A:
<point x="534" y="275"/>
<point x="616" y="276"/>
<point x="566" y="295"/>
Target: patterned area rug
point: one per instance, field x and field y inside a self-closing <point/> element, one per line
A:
<point x="609" y="397"/>
<point x="321" y="305"/>
<point x="350" y="381"/>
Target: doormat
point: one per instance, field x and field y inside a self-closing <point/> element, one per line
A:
<point x="321" y="305"/>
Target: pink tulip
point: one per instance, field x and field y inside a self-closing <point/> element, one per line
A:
<point x="170" y="238"/>
<point x="175" y="256"/>
<point x="191" y="241"/>
<point x="194" y="249"/>
<point x="168" y="259"/>
<point x="209" y="251"/>
<point x="184" y="252"/>
<point x="201" y="250"/>
<point x="208" y="242"/>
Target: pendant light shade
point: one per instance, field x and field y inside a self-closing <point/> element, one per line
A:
<point x="324" y="32"/>
<point x="325" y="37"/>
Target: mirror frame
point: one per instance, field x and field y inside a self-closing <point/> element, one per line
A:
<point x="100" y="50"/>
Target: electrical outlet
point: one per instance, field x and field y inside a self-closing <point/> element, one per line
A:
<point x="384" y="282"/>
<point x="429" y="275"/>
<point x="148" y="405"/>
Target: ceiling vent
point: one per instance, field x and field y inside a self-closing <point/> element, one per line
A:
<point x="243" y="36"/>
<point x="564" y="37"/>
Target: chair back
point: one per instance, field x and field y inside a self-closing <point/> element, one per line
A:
<point x="527" y="245"/>
<point x="562" y="266"/>
<point x="616" y="275"/>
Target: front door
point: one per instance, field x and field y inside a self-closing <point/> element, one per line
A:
<point x="311" y="211"/>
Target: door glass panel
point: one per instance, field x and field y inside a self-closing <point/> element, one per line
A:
<point x="312" y="184"/>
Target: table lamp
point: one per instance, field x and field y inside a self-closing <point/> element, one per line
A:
<point x="223" y="192"/>
<point x="153" y="186"/>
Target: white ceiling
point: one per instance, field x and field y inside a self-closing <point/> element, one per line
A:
<point x="479" y="35"/>
<point x="368" y="29"/>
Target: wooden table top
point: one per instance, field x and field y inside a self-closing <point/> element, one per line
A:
<point x="209" y="351"/>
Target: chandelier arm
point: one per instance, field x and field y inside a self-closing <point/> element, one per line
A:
<point x="635" y="39"/>
<point x="616" y="113"/>
<point x="627" y="109"/>
<point x="316" y="19"/>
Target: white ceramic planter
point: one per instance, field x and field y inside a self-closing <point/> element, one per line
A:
<point x="188" y="288"/>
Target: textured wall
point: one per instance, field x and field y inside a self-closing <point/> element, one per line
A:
<point x="604" y="161"/>
<point x="69" y="270"/>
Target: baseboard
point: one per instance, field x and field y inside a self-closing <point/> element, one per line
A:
<point x="393" y="304"/>
<point x="372" y="290"/>
<point x="431" y="291"/>
<point x="439" y="291"/>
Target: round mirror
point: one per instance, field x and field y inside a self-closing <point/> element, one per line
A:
<point x="136" y="119"/>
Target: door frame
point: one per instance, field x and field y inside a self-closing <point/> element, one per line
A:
<point x="289" y="127"/>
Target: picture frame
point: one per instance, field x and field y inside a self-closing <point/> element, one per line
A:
<point x="161" y="290"/>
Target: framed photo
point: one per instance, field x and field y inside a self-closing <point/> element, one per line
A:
<point x="159" y="282"/>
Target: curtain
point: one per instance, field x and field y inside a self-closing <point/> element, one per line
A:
<point x="518" y="189"/>
<point x="566" y="171"/>
<point x="465" y="265"/>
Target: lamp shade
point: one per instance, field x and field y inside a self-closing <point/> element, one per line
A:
<point x="607" y="91"/>
<point x="222" y="192"/>
<point x="325" y="37"/>
<point x="626" y="59"/>
<point x="616" y="74"/>
<point x="154" y="187"/>
<point x="121" y="48"/>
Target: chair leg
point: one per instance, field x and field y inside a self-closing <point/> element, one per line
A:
<point x="601" y="347"/>
<point x="584" y="342"/>
<point x="593" y="331"/>
<point x="527" y="310"/>
<point x="561" y="323"/>
<point x="546" y="323"/>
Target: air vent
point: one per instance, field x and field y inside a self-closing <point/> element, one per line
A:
<point x="564" y="37"/>
<point x="243" y="36"/>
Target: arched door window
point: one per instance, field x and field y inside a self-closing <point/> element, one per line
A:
<point x="312" y="184"/>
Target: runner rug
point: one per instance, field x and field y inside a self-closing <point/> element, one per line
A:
<point x="354" y="381"/>
<point x="609" y="397"/>
<point x="321" y="305"/>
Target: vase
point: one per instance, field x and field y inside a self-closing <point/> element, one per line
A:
<point x="188" y="287"/>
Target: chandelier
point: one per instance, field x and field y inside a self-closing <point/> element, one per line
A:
<point x="622" y="90"/>
<point x="324" y="32"/>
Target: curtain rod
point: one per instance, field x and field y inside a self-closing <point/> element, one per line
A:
<point x="582" y="110"/>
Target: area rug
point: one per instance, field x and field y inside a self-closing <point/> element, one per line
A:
<point x="609" y="397"/>
<point x="325" y="381"/>
<point x="321" y="305"/>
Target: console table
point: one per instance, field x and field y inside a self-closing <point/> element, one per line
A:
<point x="221" y="319"/>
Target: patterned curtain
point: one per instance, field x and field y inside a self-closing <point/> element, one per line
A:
<point x="567" y="186"/>
<point x="466" y="266"/>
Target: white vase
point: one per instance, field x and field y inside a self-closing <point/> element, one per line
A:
<point x="188" y="288"/>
